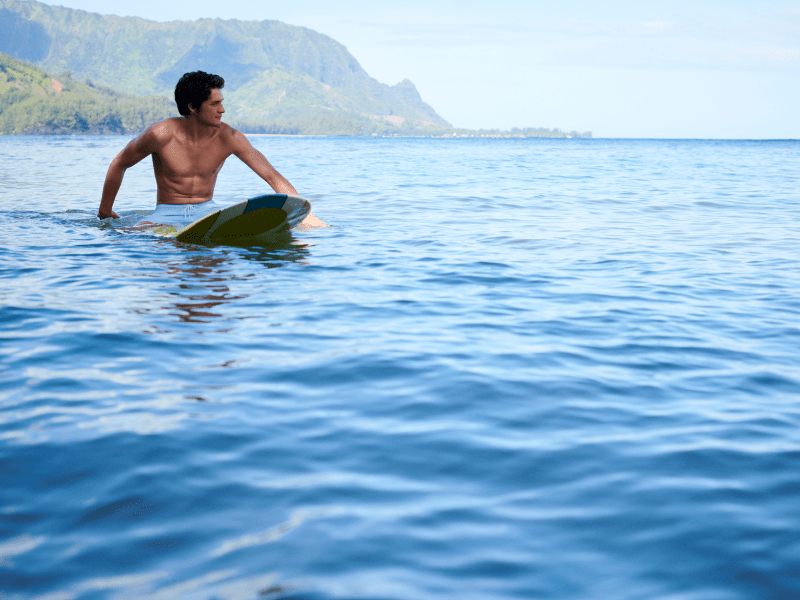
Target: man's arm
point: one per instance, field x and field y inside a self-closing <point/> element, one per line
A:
<point x="138" y="148"/>
<point x="245" y="152"/>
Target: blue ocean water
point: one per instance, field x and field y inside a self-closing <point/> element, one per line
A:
<point x="509" y="369"/>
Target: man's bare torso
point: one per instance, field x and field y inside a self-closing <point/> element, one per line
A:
<point x="186" y="170"/>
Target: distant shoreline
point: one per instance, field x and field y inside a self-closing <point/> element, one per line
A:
<point x="434" y="137"/>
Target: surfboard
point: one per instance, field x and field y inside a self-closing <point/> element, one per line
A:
<point x="256" y="219"/>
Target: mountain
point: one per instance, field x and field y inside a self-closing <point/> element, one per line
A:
<point x="279" y="78"/>
<point x="275" y="74"/>
<point x="34" y="101"/>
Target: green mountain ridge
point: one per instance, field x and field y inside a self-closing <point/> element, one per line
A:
<point x="279" y="78"/>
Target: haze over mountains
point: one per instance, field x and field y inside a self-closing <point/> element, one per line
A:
<point x="278" y="77"/>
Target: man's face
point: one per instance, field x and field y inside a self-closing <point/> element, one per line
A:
<point x="211" y="110"/>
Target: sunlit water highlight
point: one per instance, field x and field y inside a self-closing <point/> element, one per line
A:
<point x="509" y="369"/>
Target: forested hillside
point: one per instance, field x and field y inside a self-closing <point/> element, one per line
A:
<point x="34" y="101"/>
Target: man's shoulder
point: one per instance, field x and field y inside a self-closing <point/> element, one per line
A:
<point x="233" y="137"/>
<point x="161" y="132"/>
<point x="167" y="127"/>
<point x="229" y="132"/>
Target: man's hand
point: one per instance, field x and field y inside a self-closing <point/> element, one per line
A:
<point x="101" y="215"/>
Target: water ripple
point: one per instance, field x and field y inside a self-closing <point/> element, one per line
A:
<point x="509" y="369"/>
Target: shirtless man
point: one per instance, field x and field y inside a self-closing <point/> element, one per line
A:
<point x="188" y="153"/>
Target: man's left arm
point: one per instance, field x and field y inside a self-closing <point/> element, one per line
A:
<point x="245" y="152"/>
<point x="243" y="149"/>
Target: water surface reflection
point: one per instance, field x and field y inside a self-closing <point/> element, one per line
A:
<point x="204" y="275"/>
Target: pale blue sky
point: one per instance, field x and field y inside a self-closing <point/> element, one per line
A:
<point x="678" y="68"/>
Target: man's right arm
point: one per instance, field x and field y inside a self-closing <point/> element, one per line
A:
<point x="138" y="148"/>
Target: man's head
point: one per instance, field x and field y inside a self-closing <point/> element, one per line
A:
<point x="194" y="88"/>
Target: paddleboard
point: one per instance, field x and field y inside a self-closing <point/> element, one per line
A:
<point x="254" y="220"/>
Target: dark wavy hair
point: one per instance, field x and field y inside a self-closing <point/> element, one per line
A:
<point x="194" y="88"/>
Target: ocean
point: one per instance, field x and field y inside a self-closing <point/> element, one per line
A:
<point x="510" y="368"/>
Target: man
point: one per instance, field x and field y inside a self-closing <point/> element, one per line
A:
<point x="188" y="153"/>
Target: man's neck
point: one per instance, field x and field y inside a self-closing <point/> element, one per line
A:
<point x="196" y="129"/>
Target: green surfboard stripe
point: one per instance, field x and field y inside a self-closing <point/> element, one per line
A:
<point x="250" y="224"/>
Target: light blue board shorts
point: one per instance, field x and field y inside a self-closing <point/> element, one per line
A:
<point x="180" y="215"/>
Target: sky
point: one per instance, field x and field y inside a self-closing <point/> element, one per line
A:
<point x="638" y="69"/>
